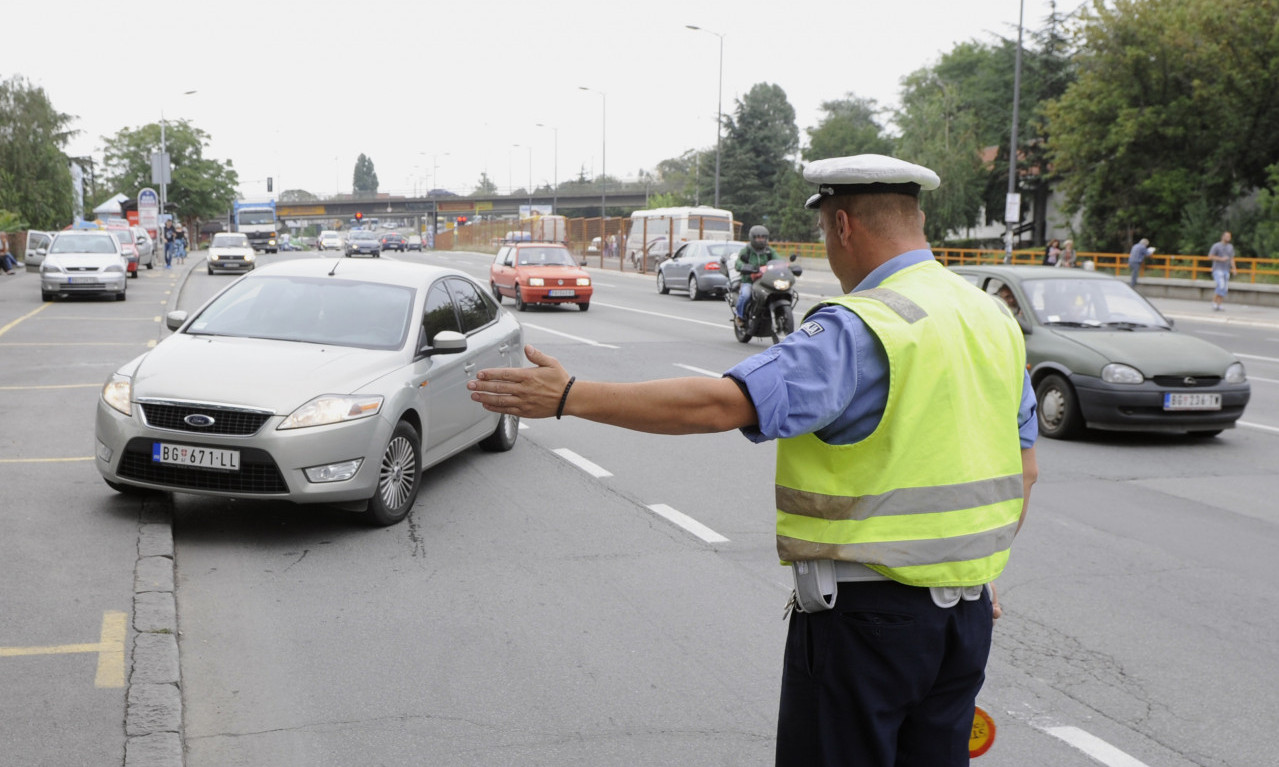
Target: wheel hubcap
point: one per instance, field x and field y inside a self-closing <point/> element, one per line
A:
<point x="1053" y="407"/>
<point x="398" y="474"/>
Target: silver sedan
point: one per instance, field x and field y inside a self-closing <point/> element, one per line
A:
<point x="312" y="381"/>
<point x="703" y="267"/>
<point x="84" y="262"/>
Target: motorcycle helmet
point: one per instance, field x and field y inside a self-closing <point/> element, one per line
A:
<point x="759" y="237"/>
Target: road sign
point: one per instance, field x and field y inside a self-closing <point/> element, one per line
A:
<point x="149" y="211"/>
<point x="1012" y="208"/>
<point x="983" y="734"/>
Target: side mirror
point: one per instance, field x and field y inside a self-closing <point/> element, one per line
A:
<point x="794" y="256"/>
<point x="175" y="320"/>
<point x="445" y="342"/>
<point x="42" y="251"/>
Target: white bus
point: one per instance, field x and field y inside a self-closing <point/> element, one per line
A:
<point x="655" y="234"/>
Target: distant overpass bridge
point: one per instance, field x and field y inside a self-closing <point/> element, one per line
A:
<point x="429" y="207"/>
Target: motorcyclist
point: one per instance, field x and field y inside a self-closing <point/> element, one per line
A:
<point x="749" y="262"/>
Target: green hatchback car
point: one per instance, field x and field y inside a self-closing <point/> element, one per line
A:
<point x="1102" y="357"/>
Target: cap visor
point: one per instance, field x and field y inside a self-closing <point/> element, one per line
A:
<point x="814" y="202"/>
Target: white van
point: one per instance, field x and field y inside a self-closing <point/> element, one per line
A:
<point x="655" y="234"/>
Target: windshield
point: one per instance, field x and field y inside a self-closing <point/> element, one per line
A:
<point x="545" y="257"/>
<point x="83" y="243"/>
<point x="363" y="236"/>
<point x="230" y="241"/>
<point x="1090" y="303"/>
<point x="256" y="217"/>
<point x="314" y="310"/>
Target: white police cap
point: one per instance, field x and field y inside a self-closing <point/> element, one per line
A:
<point x="867" y="174"/>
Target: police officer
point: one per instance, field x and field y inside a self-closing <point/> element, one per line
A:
<point x="897" y="496"/>
<point x="754" y="255"/>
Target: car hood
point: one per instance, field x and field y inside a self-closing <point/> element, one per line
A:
<point x="81" y="260"/>
<point x="220" y="252"/>
<point x="1154" y="352"/>
<point x="254" y="372"/>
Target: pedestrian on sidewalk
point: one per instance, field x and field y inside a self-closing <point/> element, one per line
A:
<point x="1068" y="255"/>
<point x="169" y="243"/>
<point x="1222" y="256"/>
<point x="1136" y="257"/>
<point x="6" y="258"/>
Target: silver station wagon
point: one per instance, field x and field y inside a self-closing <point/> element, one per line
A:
<point x="313" y="381"/>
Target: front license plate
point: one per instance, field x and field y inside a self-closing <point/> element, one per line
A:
<point x="200" y="457"/>
<point x="83" y="280"/>
<point x="1174" y="401"/>
<point x="561" y="293"/>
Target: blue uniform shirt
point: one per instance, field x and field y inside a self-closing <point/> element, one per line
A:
<point x="830" y="377"/>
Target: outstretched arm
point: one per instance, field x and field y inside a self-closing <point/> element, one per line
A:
<point x="693" y="405"/>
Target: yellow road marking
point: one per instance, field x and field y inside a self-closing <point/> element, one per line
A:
<point x="45" y="460"/>
<point x="109" y="647"/>
<point x="41" y="308"/>
<point x="51" y="386"/>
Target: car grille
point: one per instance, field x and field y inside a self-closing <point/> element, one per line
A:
<point x="226" y="421"/>
<point x="82" y="269"/>
<point x="1187" y="382"/>
<point x="258" y="472"/>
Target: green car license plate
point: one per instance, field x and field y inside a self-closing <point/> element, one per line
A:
<point x="1181" y="401"/>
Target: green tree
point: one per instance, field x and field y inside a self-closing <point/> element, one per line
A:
<point x="760" y="139"/>
<point x="849" y="126"/>
<point x="200" y="188"/>
<point x="297" y="195"/>
<point x="1173" y="112"/>
<point x="485" y="187"/>
<point x="364" y="178"/>
<point x="35" y="181"/>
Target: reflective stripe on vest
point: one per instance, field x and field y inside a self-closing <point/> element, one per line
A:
<point x="933" y="495"/>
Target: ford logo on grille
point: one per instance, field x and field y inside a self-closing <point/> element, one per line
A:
<point x="198" y="420"/>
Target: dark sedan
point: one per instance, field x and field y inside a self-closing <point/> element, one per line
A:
<point x="702" y="267"/>
<point x="1102" y="357"/>
<point x="394" y="241"/>
<point x="363" y="243"/>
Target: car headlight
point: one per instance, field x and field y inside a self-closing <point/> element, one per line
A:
<point x="48" y="268"/>
<point x="536" y="282"/>
<point x="250" y="256"/>
<point x="114" y="269"/>
<point x="1235" y="373"/>
<point x="117" y="392"/>
<point x="271" y="241"/>
<point x="1119" y="373"/>
<point x="332" y="408"/>
<point x="583" y="282"/>
<point x="781" y="284"/>
<point x="214" y="256"/>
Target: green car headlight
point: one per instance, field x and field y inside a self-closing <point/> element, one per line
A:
<point x="1119" y="373"/>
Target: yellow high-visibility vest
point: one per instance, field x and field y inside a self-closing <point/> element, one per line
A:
<point x="933" y="495"/>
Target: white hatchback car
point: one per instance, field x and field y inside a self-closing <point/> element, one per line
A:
<point x="84" y="262"/>
<point x="329" y="240"/>
<point x="231" y="252"/>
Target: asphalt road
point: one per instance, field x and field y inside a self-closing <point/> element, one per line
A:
<point x="540" y="606"/>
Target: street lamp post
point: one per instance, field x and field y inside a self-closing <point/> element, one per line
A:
<point x="603" y="151"/>
<point x="1010" y="216"/>
<point x="555" y="171"/>
<point x="719" y="103"/>
<point x="164" y="161"/>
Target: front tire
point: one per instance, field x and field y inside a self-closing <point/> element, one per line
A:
<point x="497" y="294"/>
<point x="783" y="322"/>
<point x="584" y="306"/>
<point x="520" y="306"/>
<point x="399" y="477"/>
<point x="1059" y="415"/>
<point x="503" y="437"/>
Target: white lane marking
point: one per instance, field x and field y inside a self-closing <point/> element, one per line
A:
<point x="699" y="371"/>
<point x="687" y="522"/>
<point x="1093" y="746"/>
<point x="1251" y="425"/>
<point x="1219" y="321"/>
<point x="522" y="424"/>
<point x="1257" y="357"/>
<point x="594" y="470"/>
<point x="723" y="324"/>
<point x="579" y="339"/>
<point x="1263" y="380"/>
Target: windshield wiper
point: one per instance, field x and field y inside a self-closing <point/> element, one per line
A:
<point x="1129" y="325"/>
<point x="1073" y="324"/>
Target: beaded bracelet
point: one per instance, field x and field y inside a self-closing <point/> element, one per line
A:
<point x="564" y="398"/>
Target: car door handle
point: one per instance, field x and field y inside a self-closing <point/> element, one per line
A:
<point x="469" y="367"/>
<point x="504" y="348"/>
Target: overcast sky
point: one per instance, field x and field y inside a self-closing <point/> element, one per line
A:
<point x="297" y="90"/>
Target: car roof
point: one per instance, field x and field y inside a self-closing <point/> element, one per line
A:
<point x="383" y="271"/>
<point x="1009" y="273"/>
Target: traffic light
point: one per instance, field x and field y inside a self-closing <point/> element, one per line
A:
<point x="461" y="220"/>
<point x="269" y="181"/>
<point x="359" y="216"/>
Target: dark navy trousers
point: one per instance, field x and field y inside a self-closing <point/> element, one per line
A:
<point x="885" y="679"/>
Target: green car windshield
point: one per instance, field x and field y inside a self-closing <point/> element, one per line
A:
<point x="1090" y="303"/>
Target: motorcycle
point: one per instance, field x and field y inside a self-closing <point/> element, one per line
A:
<point x="770" y="310"/>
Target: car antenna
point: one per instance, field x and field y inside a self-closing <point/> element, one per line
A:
<point x="333" y="271"/>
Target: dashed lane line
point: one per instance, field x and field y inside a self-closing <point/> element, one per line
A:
<point x="31" y="313"/>
<point x="47" y="460"/>
<point x="594" y="469"/>
<point x="688" y="523"/>
<point x="579" y="339"/>
<point x="699" y="371"/>
<point x="1262" y="427"/>
<point x="51" y="386"/>
<point x="720" y="325"/>
<point x="1094" y="746"/>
